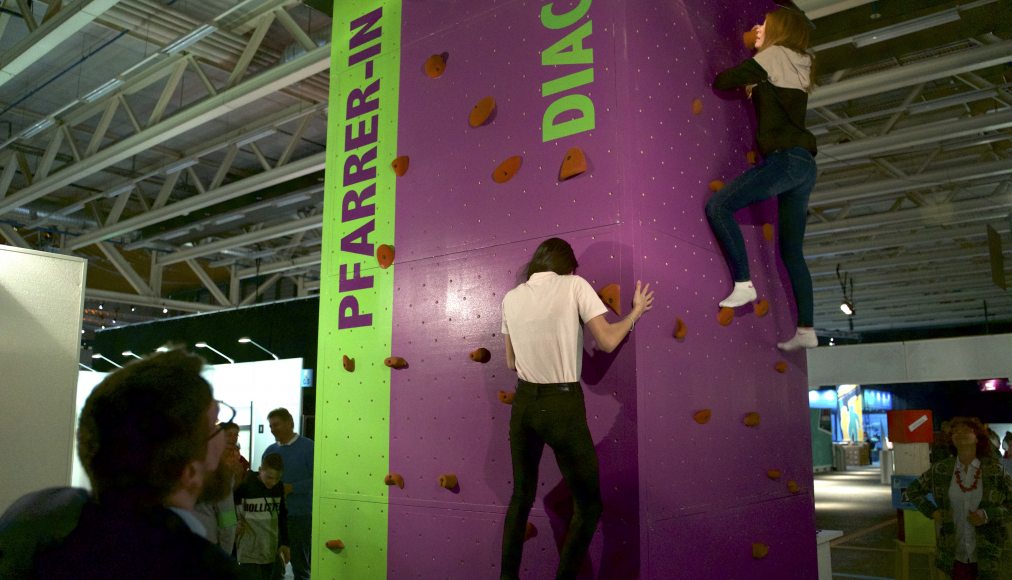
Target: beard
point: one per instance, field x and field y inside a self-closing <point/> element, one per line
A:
<point x="218" y="483"/>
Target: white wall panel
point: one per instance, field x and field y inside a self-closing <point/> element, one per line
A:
<point x="41" y="303"/>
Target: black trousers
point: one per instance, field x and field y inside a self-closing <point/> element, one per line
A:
<point x="552" y="414"/>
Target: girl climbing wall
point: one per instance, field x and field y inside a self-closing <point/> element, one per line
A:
<point x="777" y="80"/>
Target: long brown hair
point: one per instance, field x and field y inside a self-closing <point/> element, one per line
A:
<point x="789" y="29"/>
<point x="983" y="443"/>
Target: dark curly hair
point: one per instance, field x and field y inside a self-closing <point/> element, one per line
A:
<point x="983" y="443"/>
<point x="142" y="426"/>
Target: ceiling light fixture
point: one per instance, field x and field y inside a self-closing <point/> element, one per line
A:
<point x="190" y="38"/>
<point x="130" y="353"/>
<point x="249" y="340"/>
<point x="203" y="344"/>
<point x="99" y="355"/>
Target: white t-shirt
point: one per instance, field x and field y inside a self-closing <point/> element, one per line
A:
<point x="544" y="318"/>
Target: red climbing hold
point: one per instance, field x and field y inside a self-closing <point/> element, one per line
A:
<point x="530" y="532"/>
<point x="335" y="545"/>
<point x="385" y="255"/>
<point x="395" y="362"/>
<point x="780" y="367"/>
<point x="611" y="295"/>
<point x="435" y="65"/>
<point x="751" y="419"/>
<point x="400" y="165"/>
<point x="716" y="185"/>
<point x="702" y="417"/>
<point x="481" y="112"/>
<point x="506" y="398"/>
<point x="574" y="164"/>
<point x="680" y="329"/>
<point x="507" y="169"/>
<point x="448" y="481"/>
<point x="725" y="316"/>
<point x="761" y="308"/>
<point x="349" y="363"/>
<point x="481" y="355"/>
<point x="394" y="479"/>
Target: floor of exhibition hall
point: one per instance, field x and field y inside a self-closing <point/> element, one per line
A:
<point x="856" y="503"/>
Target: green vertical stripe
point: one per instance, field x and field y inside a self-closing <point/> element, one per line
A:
<point x="356" y="296"/>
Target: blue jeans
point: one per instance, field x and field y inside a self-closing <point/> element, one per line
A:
<point x="552" y="414"/>
<point x="789" y="176"/>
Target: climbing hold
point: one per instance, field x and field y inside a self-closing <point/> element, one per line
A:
<point x="680" y="329"/>
<point x="773" y="473"/>
<point x="394" y="479"/>
<point x="716" y="185"/>
<point x="482" y="111"/>
<point x="395" y="362"/>
<point x="611" y="295"/>
<point x="768" y="232"/>
<point x="793" y="487"/>
<point x="725" y="316"/>
<point x="435" y="65"/>
<point x="748" y="38"/>
<point x="702" y="417"/>
<point x="752" y="157"/>
<point x="335" y="545"/>
<point x="349" y="363"/>
<point x="780" y="367"/>
<point x="759" y="551"/>
<point x="751" y="419"/>
<point x="448" y="481"/>
<point x="481" y="355"/>
<point x="400" y="165"/>
<point x="385" y="255"/>
<point x="697" y="106"/>
<point x="761" y="308"/>
<point x="574" y="164"/>
<point x="531" y="531"/>
<point x="507" y="169"/>
<point x="506" y="398"/>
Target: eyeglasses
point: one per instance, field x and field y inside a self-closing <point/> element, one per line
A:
<point x="224" y="410"/>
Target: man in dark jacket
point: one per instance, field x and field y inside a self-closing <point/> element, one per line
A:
<point x="149" y="441"/>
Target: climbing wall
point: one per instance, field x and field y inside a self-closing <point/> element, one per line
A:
<point x="689" y="489"/>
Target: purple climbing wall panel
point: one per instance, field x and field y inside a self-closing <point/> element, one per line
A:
<point x="681" y="499"/>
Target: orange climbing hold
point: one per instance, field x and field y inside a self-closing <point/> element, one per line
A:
<point x="395" y="362"/>
<point x="759" y="550"/>
<point x="768" y="232"/>
<point x="752" y="157"/>
<point x="385" y="255"/>
<point x="697" y="106"/>
<point x="482" y="111"/>
<point x="335" y="545"/>
<point x="506" y="398"/>
<point x="773" y="474"/>
<point x="793" y="487"/>
<point x="702" y="416"/>
<point x="435" y="65"/>
<point x="761" y="308"/>
<point x="725" y="316"/>
<point x="448" y="481"/>
<point x="611" y="295"/>
<point x="716" y="185"/>
<point x="748" y="38"/>
<point x="574" y="164"/>
<point x="780" y="367"/>
<point x="680" y="329"/>
<point x="507" y="169"/>
<point x="531" y="531"/>
<point x="349" y="363"/>
<point x="481" y="355"/>
<point x="751" y="419"/>
<point x="400" y="165"/>
<point x="394" y="479"/>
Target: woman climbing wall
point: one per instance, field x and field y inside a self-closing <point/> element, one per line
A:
<point x="777" y="80"/>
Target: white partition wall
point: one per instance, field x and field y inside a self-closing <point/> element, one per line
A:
<point x="254" y="389"/>
<point x="41" y="303"/>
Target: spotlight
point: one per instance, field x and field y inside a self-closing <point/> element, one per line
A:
<point x="133" y="309"/>
<point x="130" y="353"/>
<point x="165" y="310"/>
<point x="101" y="305"/>
<point x="246" y="339"/>
<point x="203" y="344"/>
<point x="99" y="355"/>
<point x="847" y="308"/>
<point x="162" y="349"/>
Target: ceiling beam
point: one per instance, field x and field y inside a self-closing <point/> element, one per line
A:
<point x="276" y="231"/>
<point x="306" y="261"/>
<point x="152" y="301"/>
<point x="125" y="269"/>
<point x="908" y="75"/>
<point x="191" y="117"/>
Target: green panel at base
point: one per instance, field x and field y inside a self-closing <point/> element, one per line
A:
<point x="358" y="524"/>
<point x="356" y="295"/>
<point x="917" y="529"/>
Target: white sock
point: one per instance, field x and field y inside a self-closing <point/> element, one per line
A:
<point x="803" y="338"/>
<point x="742" y="294"/>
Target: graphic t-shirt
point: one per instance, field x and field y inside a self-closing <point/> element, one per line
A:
<point x="262" y="521"/>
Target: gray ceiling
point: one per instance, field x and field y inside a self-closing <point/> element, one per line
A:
<point x="179" y="146"/>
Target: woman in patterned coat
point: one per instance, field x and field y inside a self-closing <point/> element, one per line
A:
<point x="972" y="506"/>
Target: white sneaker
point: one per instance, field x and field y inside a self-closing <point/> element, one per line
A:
<point x="802" y="339"/>
<point x="742" y="294"/>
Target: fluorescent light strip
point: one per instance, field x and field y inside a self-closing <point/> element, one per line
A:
<point x="102" y="90"/>
<point x="189" y="39"/>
